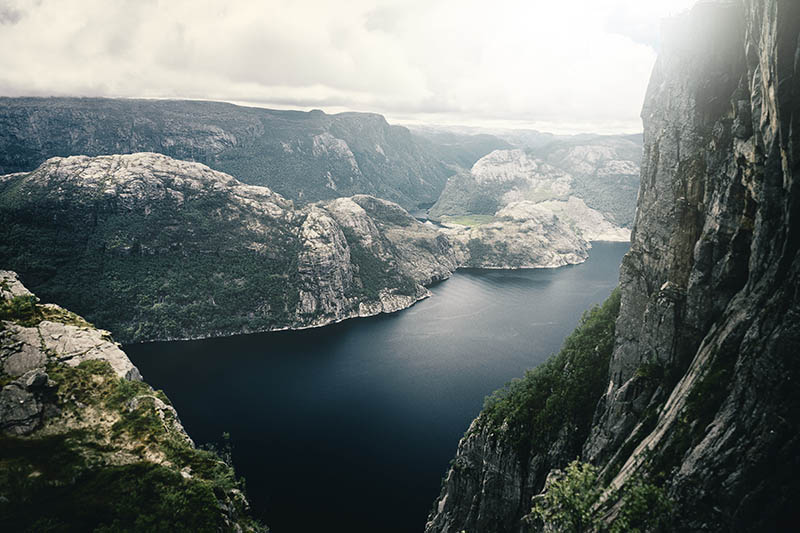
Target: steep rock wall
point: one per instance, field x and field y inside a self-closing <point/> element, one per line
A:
<point x="709" y="289"/>
<point x="702" y="395"/>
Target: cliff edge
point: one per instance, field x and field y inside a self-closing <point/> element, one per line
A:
<point x="701" y="396"/>
<point x="86" y="445"/>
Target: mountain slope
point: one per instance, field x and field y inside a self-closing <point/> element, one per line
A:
<point x="514" y="210"/>
<point x="601" y="170"/>
<point x="86" y="445"/>
<point x="303" y="156"/>
<point x="701" y="396"/>
<point x="156" y="248"/>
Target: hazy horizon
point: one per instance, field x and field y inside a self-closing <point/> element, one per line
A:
<point x="576" y="66"/>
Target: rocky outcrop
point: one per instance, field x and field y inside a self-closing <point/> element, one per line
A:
<point x="521" y="235"/>
<point x="305" y="157"/>
<point x="602" y="171"/>
<point x="701" y="397"/>
<point x="76" y="421"/>
<point x="528" y="215"/>
<point x="152" y="247"/>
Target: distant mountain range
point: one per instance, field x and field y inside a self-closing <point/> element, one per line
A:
<point x="601" y="170"/>
<point x="304" y="156"/>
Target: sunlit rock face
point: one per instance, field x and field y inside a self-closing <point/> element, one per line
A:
<point x="702" y="393"/>
<point x="152" y="247"/>
<point x="529" y="214"/>
<point x="521" y="235"/>
<point x="603" y="171"/>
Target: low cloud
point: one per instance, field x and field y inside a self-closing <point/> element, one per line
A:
<point x="579" y="62"/>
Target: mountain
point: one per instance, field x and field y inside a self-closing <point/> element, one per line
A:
<point x="602" y="170"/>
<point x="605" y="171"/>
<point x="86" y="444"/>
<point x="152" y="247"/>
<point x="679" y="395"/>
<point x="541" y="201"/>
<point x="304" y="156"/>
<point x="514" y="210"/>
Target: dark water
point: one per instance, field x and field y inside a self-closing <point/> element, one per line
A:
<point x="351" y="427"/>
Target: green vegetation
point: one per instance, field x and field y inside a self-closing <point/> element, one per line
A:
<point x="25" y="311"/>
<point x="572" y="503"/>
<point x="562" y="392"/>
<point x="469" y="220"/>
<point x="21" y="309"/>
<point x="91" y="480"/>
<point x="373" y="273"/>
<point x="568" y="503"/>
<point x="171" y="272"/>
<point x="134" y="497"/>
<point x="495" y="253"/>
<point x="57" y="314"/>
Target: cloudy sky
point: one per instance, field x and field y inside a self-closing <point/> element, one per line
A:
<point x="557" y="65"/>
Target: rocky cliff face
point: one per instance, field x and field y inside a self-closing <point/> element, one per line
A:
<point x="603" y="171"/>
<point x="527" y="214"/>
<point x="152" y="247"/>
<point x="86" y="443"/>
<point x="709" y="287"/>
<point x="701" y="396"/>
<point x="305" y="157"/>
<point x="521" y="235"/>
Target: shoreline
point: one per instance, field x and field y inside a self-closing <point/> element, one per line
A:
<point x="428" y="294"/>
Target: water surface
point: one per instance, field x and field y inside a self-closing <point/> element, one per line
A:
<point x="350" y="427"/>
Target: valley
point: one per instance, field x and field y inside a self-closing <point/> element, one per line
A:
<point x="221" y="317"/>
<point x="359" y="419"/>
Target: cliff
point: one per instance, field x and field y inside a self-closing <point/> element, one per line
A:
<point x="602" y="171"/>
<point x="151" y="247"/>
<point x="86" y="444"/>
<point x="513" y="210"/>
<point x="699" y="397"/>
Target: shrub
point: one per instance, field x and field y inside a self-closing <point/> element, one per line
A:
<point x="21" y="309"/>
<point x="562" y="391"/>
<point x="572" y="502"/>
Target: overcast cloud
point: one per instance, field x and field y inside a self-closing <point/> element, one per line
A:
<point x="559" y="65"/>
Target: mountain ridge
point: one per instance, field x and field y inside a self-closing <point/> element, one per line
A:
<point x="304" y="156"/>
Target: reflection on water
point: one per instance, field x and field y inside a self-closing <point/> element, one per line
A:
<point x="352" y="426"/>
